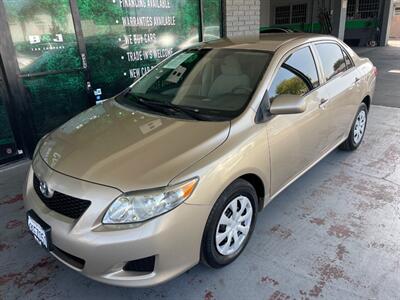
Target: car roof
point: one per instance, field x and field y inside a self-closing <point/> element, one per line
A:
<point x="267" y="41"/>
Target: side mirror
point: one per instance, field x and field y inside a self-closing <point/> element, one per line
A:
<point x="288" y="104"/>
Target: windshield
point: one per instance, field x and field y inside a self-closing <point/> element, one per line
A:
<point x="204" y="84"/>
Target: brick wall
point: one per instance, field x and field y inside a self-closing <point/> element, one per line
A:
<point x="242" y="17"/>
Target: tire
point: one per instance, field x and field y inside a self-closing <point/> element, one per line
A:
<point x="356" y="134"/>
<point x="216" y="255"/>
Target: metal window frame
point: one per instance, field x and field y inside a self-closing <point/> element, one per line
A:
<point x="305" y="4"/>
<point x="290" y="5"/>
<point x="201" y="16"/>
<point x="290" y="13"/>
<point x="356" y="13"/>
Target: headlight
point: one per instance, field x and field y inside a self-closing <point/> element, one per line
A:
<point x="140" y="206"/>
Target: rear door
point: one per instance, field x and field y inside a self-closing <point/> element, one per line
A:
<point x="342" y="85"/>
<point x="296" y="141"/>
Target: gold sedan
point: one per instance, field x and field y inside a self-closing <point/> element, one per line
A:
<point x="174" y="170"/>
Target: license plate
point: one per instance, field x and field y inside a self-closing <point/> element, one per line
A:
<point x="39" y="229"/>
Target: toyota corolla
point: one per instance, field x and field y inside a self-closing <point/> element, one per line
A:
<point x="173" y="171"/>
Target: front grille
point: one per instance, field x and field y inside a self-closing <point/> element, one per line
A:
<point x="61" y="203"/>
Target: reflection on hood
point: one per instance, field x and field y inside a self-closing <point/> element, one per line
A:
<point x="114" y="145"/>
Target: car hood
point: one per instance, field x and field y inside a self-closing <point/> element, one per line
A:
<point x="114" y="145"/>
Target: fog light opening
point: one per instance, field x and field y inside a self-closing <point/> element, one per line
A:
<point x="143" y="265"/>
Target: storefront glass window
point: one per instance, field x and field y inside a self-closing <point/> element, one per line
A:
<point x="43" y="35"/>
<point x="125" y="39"/>
<point x="55" y="99"/>
<point x="212" y="19"/>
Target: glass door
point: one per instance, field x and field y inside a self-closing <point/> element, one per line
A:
<point x="51" y="62"/>
<point x="8" y="148"/>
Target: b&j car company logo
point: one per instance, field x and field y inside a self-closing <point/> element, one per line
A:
<point x="46" y="42"/>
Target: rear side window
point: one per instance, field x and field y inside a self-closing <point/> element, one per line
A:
<point x="332" y="59"/>
<point x="297" y="75"/>
<point x="347" y="59"/>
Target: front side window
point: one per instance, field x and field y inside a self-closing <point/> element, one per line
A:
<point x="303" y="62"/>
<point x="208" y="84"/>
<point x="287" y="82"/>
<point x="332" y="59"/>
<point x="297" y="76"/>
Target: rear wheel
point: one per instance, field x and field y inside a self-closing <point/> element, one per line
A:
<point x="230" y="224"/>
<point x="357" y="131"/>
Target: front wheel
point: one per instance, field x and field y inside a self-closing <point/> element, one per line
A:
<point x="357" y="131"/>
<point x="230" y="224"/>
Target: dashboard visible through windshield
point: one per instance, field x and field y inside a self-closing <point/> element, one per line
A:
<point x="202" y="84"/>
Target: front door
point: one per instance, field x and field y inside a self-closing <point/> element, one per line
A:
<point x="296" y="141"/>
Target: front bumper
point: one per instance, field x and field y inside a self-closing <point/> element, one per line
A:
<point x="173" y="238"/>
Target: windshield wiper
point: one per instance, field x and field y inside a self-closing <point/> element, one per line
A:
<point x="150" y="105"/>
<point x="157" y="104"/>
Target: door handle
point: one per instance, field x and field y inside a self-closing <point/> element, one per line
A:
<point x="356" y="80"/>
<point x="322" y="103"/>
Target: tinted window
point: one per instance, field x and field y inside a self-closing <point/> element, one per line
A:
<point x="303" y="62"/>
<point x="286" y="82"/>
<point x="332" y="59"/>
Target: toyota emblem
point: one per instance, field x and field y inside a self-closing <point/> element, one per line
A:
<point x="45" y="190"/>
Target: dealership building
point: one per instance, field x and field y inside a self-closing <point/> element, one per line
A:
<point x="58" y="58"/>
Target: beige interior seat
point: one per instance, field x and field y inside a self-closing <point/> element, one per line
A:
<point x="231" y="78"/>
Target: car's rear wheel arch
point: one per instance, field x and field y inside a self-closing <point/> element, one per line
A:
<point x="367" y="101"/>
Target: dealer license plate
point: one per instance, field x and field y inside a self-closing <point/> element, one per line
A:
<point x="39" y="229"/>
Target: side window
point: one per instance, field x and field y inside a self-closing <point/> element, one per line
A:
<point x="332" y="59"/>
<point x="287" y="82"/>
<point x="347" y="59"/>
<point x="297" y="75"/>
<point x="303" y="62"/>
